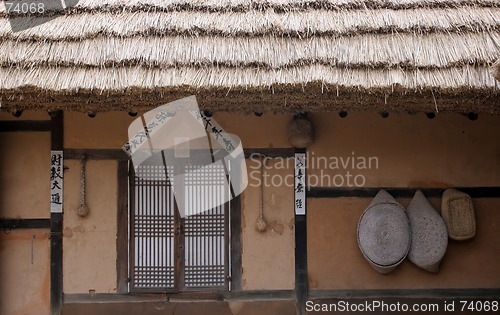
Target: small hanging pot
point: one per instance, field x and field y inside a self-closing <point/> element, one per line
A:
<point x="300" y="131"/>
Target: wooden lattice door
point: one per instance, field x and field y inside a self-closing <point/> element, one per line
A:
<point x="170" y="253"/>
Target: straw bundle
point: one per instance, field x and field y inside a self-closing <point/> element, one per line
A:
<point x="375" y="51"/>
<point x="83" y="210"/>
<point x="295" y="24"/>
<point x="458" y="214"/>
<point x="384" y="233"/>
<point x="408" y="51"/>
<point x="261" y="223"/>
<point x="429" y="237"/>
<point x="122" y="78"/>
<point x="241" y="5"/>
<point x="496" y="70"/>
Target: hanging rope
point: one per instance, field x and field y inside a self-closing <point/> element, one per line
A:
<point x="83" y="210"/>
<point x="261" y="224"/>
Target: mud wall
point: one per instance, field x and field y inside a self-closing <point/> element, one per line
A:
<point x="410" y="150"/>
<point x="24" y="254"/>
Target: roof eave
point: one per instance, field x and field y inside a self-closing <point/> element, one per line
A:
<point x="315" y="97"/>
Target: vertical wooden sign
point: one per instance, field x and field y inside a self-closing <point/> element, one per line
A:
<point x="300" y="184"/>
<point x="56" y="181"/>
<point x="301" y="278"/>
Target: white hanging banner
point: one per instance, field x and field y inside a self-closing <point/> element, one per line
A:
<point x="300" y="184"/>
<point x="215" y="130"/>
<point x="181" y="127"/>
<point x="56" y="181"/>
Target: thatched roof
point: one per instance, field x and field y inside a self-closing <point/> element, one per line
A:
<point x="496" y="70"/>
<point x="249" y="55"/>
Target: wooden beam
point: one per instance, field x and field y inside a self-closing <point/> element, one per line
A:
<point x="409" y="293"/>
<point x="254" y="295"/>
<point x="260" y="295"/>
<point x="11" y="224"/>
<point x="370" y="192"/>
<point x="56" y="225"/>
<point x="56" y="131"/>
<point x="122" y="228"/>
<point x="118" y="154"/>
<point x="130" y="223"/>
<point x="301" y="278"/>
<point x="236" y="249"/>
<point x="96" y="154"/>
<point x="56" y="283"/>
<point x="24" y="125"/>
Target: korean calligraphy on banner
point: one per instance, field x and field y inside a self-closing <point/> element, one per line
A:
<point x="216" y="131"/>
<point x="174" y="128"/>
<point x="56" y="181"/>
<point x="162" y="117"/>
<point x="144" y="134"/>
<point x="300" y="184"/>
<point x="142" y="131"/>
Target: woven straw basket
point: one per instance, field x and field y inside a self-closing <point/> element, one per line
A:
<point x="384" y="233"/>
<point x="429" y="237"/>
<point x="458" y="214"/>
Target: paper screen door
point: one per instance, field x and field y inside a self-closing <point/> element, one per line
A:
<point x="170" y="253"/>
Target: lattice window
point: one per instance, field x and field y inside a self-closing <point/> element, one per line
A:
<point x="205" y="233"/>
<point x="170" y="253"/>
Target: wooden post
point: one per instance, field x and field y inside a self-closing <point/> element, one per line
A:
<point x="300" y="203"/>
<point x="236" y="262"/>
<point x="56" y="219"/>
<point x="122" y="224"/>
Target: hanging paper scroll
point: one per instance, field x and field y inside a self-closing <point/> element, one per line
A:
<point x="198" y="142"/>
<point x="56" y="181"/>
<point x="216" y="132"/>
<point x="300" y="184"/>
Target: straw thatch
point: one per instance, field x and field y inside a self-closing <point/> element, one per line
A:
<point x="244" y="55"/>
<point x="496" y="70"/>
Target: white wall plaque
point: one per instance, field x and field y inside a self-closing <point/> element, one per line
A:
<point x="56" y="181"/>
<point x="300" y="184"/>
